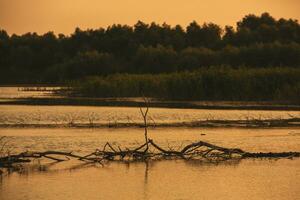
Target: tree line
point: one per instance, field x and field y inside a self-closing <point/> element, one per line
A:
<point x="256" y="42"/>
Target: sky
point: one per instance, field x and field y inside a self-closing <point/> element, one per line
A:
<point x="63" y="16"/>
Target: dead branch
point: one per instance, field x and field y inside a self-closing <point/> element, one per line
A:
<point x="199" y="150"/>
<point x="27" y="156"/>
<point x="144" y="115"/>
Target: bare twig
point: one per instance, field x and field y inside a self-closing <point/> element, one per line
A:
<point x="144" y="115"/>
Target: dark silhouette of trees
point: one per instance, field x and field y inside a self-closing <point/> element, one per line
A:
<point x="257" y="42"/>
<point x="255" y="29"/>
<point x="4" y="50"/>
<point x="158" y="59"/>
<point x="209" y="35"/>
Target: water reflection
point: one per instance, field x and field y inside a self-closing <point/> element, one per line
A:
<point x="173" y="179"/>
<point x="27" y="92"/>
<point x="41" y="166"/>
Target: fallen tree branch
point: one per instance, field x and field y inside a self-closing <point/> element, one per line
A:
<point x="198" y="150"/>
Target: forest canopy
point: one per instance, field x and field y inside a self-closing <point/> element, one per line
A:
<point x="256" y="42"/>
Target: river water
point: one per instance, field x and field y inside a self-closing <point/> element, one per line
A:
<point x="172" y="179"/>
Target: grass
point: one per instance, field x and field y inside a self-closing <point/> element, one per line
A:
<point x="207" y="84"/>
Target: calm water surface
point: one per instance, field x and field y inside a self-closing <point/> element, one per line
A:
<point x="73" y="180"/>
<point x="64" y="115"/>
<point x="87" y="140"/>
<point x="43" y="115"/>
<point x="247" y="179"/>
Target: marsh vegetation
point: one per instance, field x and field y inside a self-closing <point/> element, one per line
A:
<point x="208" y="84"/>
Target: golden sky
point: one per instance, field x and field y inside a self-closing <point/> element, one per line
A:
<point x="62" y="16"/>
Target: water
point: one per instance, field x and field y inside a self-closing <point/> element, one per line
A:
<point x="87" y="140"/>
<point x="246" y="179"/>
<point x="249" y="180"/>
<point x="21" y="115"/>
<point x="173" y="179"/>
<point x="44" y="115"/>
<point x="26" y="92"/>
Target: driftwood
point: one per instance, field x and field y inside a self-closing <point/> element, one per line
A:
<point x="148" y="151"/>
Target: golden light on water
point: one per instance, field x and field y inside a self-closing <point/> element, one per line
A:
<point x="62" y="16"/>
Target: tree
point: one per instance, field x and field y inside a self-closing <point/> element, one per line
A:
<point x="155" y="59"/>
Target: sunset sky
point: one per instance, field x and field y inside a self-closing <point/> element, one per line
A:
<point x="62" y="16"/>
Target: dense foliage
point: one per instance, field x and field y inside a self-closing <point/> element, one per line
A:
<point x="257" y="42"/>
<point x="213" y="83"/>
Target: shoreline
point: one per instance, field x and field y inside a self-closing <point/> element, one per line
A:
<point x="139" y="102"/>
<point x="254" y="123"/>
